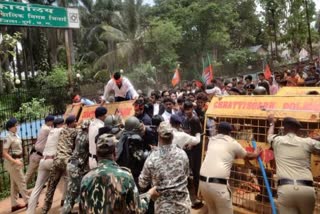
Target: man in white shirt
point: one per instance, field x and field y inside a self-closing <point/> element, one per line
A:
<point x="45" y="165"/>
<point x="36" y="153"/>
<point x="97" y="123"/>
<point x="169" y="104"/>
<point x="182" y="139"/>
<point x="216" y="168"/>
<point x="122" y="87"/>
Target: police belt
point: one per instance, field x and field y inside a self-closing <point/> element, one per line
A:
<point x="295" y="182"/>
<point x="213" y="180"/>
<point x="35" y="151"/>
<point x="93" y="156"/>
<point x="15" y="156"/>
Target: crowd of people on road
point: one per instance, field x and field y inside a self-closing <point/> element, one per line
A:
<point x="151" y="162"/>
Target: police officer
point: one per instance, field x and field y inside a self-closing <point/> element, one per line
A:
<point x="296" y="193"/>
<point x="96" y="124"/>
<point x="64" y="152"/>
<point x="13" y="163"/>
<point x="36" y="153"/>
<point x="77" y="167"/>
<point x="110" y="188"/>
<point x="216" y="168"/>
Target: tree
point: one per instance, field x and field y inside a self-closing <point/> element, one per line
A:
<point x="161" y="42"/>
<point x="7" y="49"/>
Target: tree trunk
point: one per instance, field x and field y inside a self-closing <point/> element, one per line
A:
<point x="1" y="80"/>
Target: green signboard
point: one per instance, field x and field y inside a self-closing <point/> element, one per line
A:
<point x="21" y="14"/>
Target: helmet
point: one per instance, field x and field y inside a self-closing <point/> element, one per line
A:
<point x="260" y="91"/>
<point x="112" y="120"/>
<point x="132" y="124"/>
<point x="85" y="124"/>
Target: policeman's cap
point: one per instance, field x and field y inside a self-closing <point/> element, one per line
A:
<point x="49" y="118"/>
<point x="106" y="144"/>
<point x="175" y="119"/>
<point x="11" y="123"/>
<point x="165" y="130"/>
<point x="58" y="121"/>
<point x="71" y="119"/>
<point x="100" y="111"/>
<point x="224" y="127"/>
<point x="291" y="122"/>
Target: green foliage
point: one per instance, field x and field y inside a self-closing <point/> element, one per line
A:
<point x="162" y="41"/>
<point x="36" y="108"/>
<point x="57" y="78"/>
<point x="143" y="76"/>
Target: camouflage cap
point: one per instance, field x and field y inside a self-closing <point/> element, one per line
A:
<point x="106" y="144"/>
<point x="85" y="124"/>
<point x="165" y="129"/>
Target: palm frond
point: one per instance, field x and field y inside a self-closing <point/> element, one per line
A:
<point x="112" y="34"/>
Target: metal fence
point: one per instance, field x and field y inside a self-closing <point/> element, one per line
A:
<point x="56" y="100"/>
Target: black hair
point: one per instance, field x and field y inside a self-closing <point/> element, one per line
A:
<point x="156" y="120"/>
<point x="249" y="77"/>
<point x="156" y="94"/>
<point x="168" y="99"/>
<point x="187" y="104"/>
<point x="180" y="100"/>
<point x="117" y="75"/>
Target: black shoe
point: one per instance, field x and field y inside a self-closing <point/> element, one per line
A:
<point x="61" y="203"/>
<point x="197" y="204"/>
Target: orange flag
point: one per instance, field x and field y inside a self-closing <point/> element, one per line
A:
<point x="267" y="72"/>
<point x="176" y="78"/>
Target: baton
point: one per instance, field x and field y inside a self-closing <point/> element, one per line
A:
<point x="273" y="206"/>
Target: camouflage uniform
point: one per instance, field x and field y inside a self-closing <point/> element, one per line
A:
<point x="77" y="167"/>
<point x="168" y="169"/>
<point x="64" y="152"/>
<point x="110" y="188"/>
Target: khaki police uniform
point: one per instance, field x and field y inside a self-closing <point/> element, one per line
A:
<point x="215" y="172"/>
<point x="293" y="157"/>
<point x="13" y="144"/>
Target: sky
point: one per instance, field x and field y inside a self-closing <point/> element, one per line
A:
<point x="150" y="2"/>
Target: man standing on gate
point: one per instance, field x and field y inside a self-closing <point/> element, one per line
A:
<point x="122" y="88"/>
<point x="292" y="153"/>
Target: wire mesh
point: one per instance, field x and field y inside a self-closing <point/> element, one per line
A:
<point x="246" y="180"/>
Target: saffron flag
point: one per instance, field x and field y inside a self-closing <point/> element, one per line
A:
<point x="176" y="78"/>
<point x="207" y="73"/>
<point x="267" y="72"/>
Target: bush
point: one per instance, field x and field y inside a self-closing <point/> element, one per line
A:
<point x="36" y="108"/>
<point x="57" y="78"/>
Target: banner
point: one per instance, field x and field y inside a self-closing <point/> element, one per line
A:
<point x="296" y="91"/>
<point x="125" y="109"/>
<point x="306" y="108"/>
<point x="73" y="109"/>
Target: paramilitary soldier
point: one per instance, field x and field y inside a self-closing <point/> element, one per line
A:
<point x="64" y="152"/>
<point x="110" y="188"/>
<point x="77" y="167"/>
<point x="296" y="193"/>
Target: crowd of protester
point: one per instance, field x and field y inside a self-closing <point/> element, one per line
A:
<point x="115" y="165"/>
